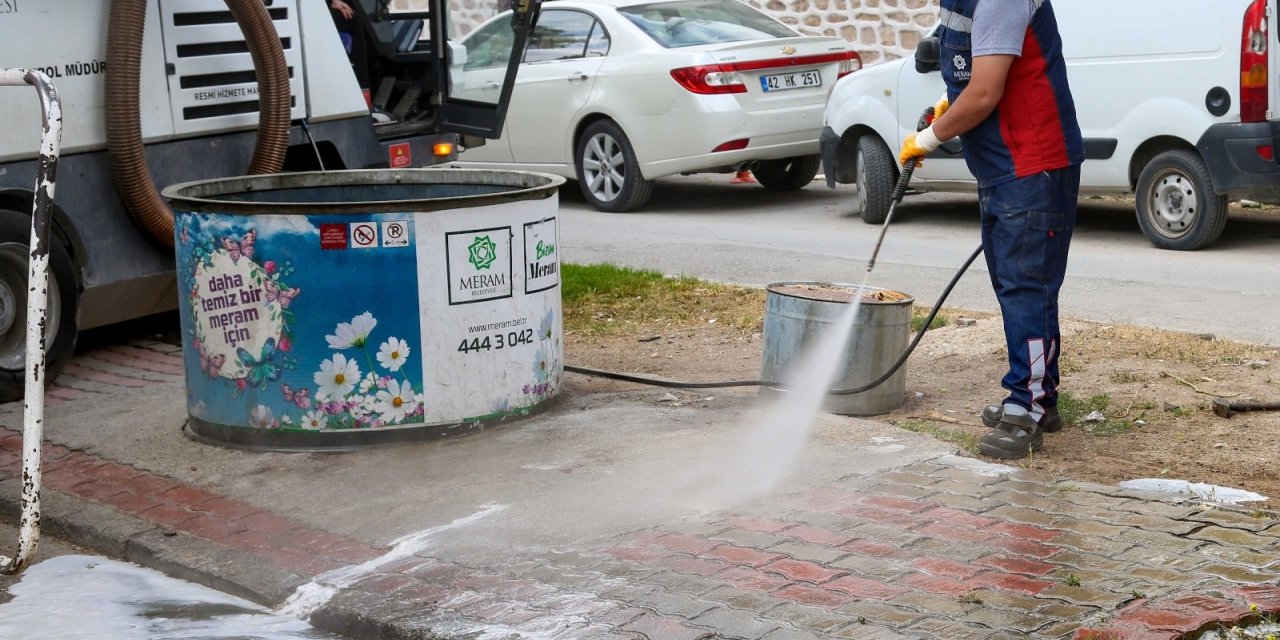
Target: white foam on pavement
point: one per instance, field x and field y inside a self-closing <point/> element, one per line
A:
<point x="77" y="597"/>
<point x="313" y="595"/>
<point x="1212" y="493"/>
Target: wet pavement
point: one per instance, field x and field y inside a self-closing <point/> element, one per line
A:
<point x="608" y="517"/>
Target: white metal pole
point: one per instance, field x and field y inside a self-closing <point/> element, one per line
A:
<point x="37" y="319"/>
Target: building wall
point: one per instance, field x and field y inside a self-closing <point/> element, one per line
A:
<point x="880" y="29"/>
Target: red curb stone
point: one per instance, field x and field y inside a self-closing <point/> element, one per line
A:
<point x="131" y="503"/>
<point x="384" y="583"/>
<point x="863" y="588"/>
<point x="695" y="566"/>
<point x="1018" y="565"/>
<point x="226" y="509"/>
<point x="814" y="596"/>
<point x="352" y="553"/>
<point x="211" y="528"/>
<point x="57" y="478"/>
<point x="817" y="536"/>
<point x="423" y="593"/>
<point x="440" y="572"/>
<point x="686" y="543"/>
<point x="742" y="555"/>
<point x="86" y="373"/>
<point x="802" y="571"/>
<point x="1011" y="582"/>
<point x="185" y="496"/>
<point x="937" y="584"/>
<point x="755" y="524"/>
<point x="1097" y="634"/>
<point x="305" y="564"/>
<point x="1026" y="532"/>
<point x="168" y="515"/>
<point x="115" y="357"/>
<point x="959" y="517"/>
<point x="750" y="579"/>
<point x="96" y="491"/>
<point x="173" y="359"/>
<point x="270" y="524"/>
<point x="67" y="393"/>
<point x="948" y="568"/>
<point x="115" y="474"/>
<point x="149" y="485"/>
<point x="252" y="541"/>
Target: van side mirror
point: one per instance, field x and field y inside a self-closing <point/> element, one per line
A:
<point x="928" y="53"/>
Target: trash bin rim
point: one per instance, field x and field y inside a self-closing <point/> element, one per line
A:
<point x="205" y="196"/>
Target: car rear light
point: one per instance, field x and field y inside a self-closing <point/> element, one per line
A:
<point x="1253" y="64"/>
<point x="709" y="79"/>
<point x="852" y="62"/>
<point x="1266" y="152"/>
<point x="732" y="145"/>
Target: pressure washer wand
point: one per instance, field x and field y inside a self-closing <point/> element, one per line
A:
<point x="899" y="189"/>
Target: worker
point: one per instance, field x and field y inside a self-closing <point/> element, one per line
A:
<point x="353" y="39"/>
<point x="1008" y="100"/>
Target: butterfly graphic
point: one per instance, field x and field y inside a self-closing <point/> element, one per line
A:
<point x="242" y="248"/>
<point x="262" y="369"/>
<point x="276" y="294"/>
<point x="301" y="397"/>
<point x="212" y="365"/>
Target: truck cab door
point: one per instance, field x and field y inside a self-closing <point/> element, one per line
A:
<point x="476" y="94"/>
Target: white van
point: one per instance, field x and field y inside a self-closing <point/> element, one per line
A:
<point x="1177" y="101"/>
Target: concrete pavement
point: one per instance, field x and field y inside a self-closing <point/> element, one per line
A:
<point x="608" y="517"/>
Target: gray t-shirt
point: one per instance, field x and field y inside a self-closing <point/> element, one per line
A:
<point x="1000" y="26"/>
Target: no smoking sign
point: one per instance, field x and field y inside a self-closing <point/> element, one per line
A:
<point x="364" y="235"/>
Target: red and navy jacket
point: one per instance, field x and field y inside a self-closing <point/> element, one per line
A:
<point x="1034" y="127"/>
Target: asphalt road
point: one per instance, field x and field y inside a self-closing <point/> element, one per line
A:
<point x="705" y="226"/>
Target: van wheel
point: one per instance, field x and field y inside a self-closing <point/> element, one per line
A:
<point x="1177" y="206"/>
<point x="608" y="172"/>
<point x="876" y="177"/>
<point x="64" y="305"/>
<point x="787" y="174"/>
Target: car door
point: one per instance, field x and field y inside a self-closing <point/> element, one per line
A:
<point x="488" y="50"/>
<point x="917" y="92"/>
<point x="562" y="61"/>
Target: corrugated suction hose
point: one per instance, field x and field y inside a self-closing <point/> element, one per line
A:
<point x="123" y="115"/>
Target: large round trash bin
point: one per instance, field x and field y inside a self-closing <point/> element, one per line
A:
<point x="334" y="310"/>
<point x="797" y="314"/>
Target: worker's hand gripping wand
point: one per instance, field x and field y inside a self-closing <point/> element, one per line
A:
<point x="899" y="189"/>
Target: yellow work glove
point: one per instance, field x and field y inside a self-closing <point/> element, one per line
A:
<point x="941" y="107"/>
<point x="918" y="145"/>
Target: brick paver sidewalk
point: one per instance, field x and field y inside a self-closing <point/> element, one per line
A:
<point x="940" y="549"/>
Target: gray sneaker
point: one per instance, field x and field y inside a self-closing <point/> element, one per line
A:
<point x="1012" y="438"/>
<point x="1052" y="422"/>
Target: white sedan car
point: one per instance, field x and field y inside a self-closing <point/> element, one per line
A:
<point x="616" y="93"/>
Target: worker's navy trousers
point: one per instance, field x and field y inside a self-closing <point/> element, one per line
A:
<point x="1026" y="231"/>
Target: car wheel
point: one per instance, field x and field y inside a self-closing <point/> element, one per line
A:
<point x="787" y="174"/>
<point x="608" y="172"/>
<point x="63" y="307"/>
<point x="1177" y="205"/>
<point x="876" y="177"/>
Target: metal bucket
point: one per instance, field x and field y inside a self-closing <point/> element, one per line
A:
<point x="797" y="314"/>
<point x="342" y="309"/>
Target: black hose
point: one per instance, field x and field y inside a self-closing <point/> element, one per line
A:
<point x="657" y="382"/>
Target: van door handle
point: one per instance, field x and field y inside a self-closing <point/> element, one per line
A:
<point x="577" y="76"/>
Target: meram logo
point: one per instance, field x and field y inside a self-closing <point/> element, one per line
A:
<point x="544" y="249"/>
<point x="482" y="253"/>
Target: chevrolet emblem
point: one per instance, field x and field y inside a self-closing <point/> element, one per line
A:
<point x="788" y="50"/>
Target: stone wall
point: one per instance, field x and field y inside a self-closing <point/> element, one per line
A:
<point x="880" y="29"/>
